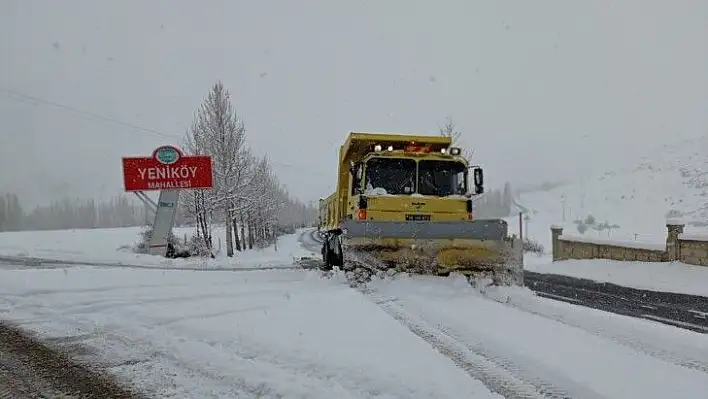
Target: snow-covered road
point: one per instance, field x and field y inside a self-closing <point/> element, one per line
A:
<point x="295" y="333"/>
<point x="222" y="334"/>
<point x="531" y="344"/>
<point x="522" y="345"/>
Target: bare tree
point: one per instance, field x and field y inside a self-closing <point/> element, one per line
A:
<point x="247" y="195"/>
<point x="449" y="129"/>
<point x="197" y="203"/>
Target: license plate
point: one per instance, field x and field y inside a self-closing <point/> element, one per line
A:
<point x="417" y="217"/>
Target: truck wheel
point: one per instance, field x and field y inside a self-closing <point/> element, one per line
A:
<point x="326" y="256"/>
<point x="337" y="255"/>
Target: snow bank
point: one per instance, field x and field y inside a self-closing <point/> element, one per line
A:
<point x="112" y="246"/>
<point x="656" y="276"/>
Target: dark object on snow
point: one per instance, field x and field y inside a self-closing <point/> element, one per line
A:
<point x="172" y="253"/>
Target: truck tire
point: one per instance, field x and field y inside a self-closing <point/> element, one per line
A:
<point x="337" y="255"/>
<point x="332" y="254"/>
<point x="325" y="256"/>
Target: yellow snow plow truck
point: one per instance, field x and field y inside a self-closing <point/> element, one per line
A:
<point x="408" y="201"/>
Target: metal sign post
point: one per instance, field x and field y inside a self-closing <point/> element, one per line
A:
<point x="169" y="171"/>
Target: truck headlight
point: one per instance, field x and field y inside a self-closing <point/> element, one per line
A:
<point x="377" y="147"/>
<point x="455" y="151"/>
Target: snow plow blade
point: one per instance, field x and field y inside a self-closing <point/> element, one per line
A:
<point x="472" y="248"/>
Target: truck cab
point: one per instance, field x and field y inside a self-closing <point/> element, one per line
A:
<point x="412" y="183"/>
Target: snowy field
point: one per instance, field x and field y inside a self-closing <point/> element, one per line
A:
<point x="670" y="183"/>
<point x="110" y="246"/>
<point x="295" y="334"/>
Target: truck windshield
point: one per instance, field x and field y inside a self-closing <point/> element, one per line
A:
<point x="442" y="178"/>
<point x="390" y="176"/>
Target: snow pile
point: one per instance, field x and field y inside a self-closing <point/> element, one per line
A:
<point x="113" y="246"/>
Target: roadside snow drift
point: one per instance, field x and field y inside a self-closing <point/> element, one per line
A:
<point x="112" y="246"/>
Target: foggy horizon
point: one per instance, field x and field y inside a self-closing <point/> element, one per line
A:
<point x="533" y="88"/>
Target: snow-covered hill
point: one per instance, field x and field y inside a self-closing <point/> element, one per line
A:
<point x="630" y="203"/>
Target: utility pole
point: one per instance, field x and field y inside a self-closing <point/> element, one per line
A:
<point x="563" y="199"/>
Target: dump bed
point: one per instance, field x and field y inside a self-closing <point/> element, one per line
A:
<point x="359" y="144"/>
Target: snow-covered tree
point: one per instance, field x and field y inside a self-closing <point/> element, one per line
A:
<point x="219" y="132"/>
<point x="196" y="204"/>
<point x="247" y="196"/>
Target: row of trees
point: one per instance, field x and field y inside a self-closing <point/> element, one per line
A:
<point x="70" y="214"/>
<point x="496" y="203"/>
<point x="11" y="213"/>
<point x="247" y="198"/>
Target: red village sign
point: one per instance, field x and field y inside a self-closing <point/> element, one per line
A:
<point x="167" y="169"/>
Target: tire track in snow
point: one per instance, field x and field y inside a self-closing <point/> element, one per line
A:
<point x="689" y="358"/>
<point x="36" y="292"/>
<point x="101" y="305"/>
<point x="499" y="374"/>
<point x="145" y="355"/>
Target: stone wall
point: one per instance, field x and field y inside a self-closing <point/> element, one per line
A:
<point x="679" y="247"/>
<point x="693" y="250"/>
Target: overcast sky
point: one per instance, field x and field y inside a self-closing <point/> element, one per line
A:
<point x="533" y="85"/>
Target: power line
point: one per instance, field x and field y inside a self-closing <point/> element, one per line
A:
<point x="16" y="95"/>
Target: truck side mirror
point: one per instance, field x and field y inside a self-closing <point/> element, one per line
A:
<point x="478" y="181"/>
<point x="357" y="172"/>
